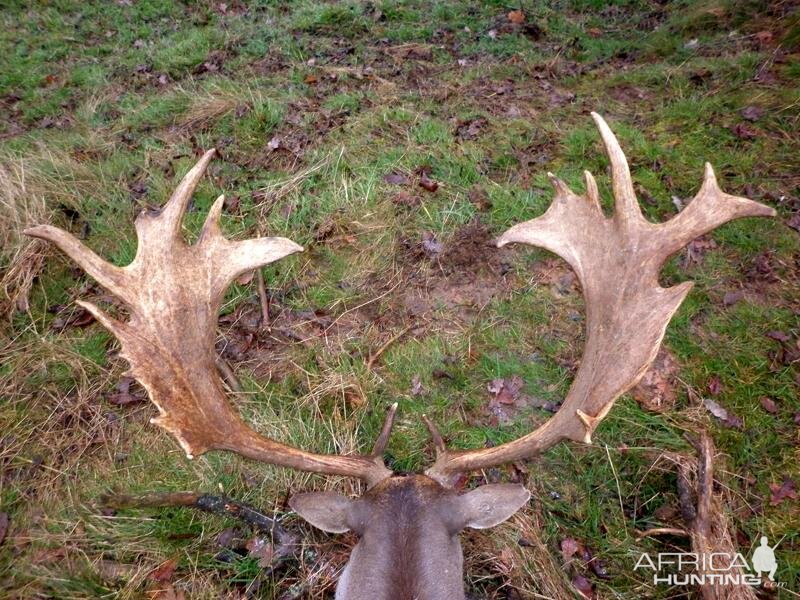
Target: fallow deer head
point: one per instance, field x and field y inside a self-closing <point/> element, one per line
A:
<point x="408" y="526"/>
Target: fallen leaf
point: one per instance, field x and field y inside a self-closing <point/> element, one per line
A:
<point x="262" y="549"/>
<point x="396" y="178"/>
<point x="311" y="79"/>
<point x="124" y="395"/>
<point x="779" y="336"/>
<point x="229" y="538"/>
<point x="507" y="398"/>
<point x="769" y="405"/>
<point x="744" y="132"/>
<point x="479" y="198"/>
<point x="416" y="386"/>
<point x="471" y="128"/>
<point x="696" y="251"/>
<point x="752" y="113"/>
<point x="595" y="32"/>
<point x="794" y="221"/>
<point x="732" y="298"/>
<point x="427" y="184"/>
<point x="569" y="547"/>
<point x="656" y="391"/>
<point x="164" y="572"/>
<point x="403" y="198"/>
<point x="584" y="586"/>
<point x="77" y="317"/>
<point x="764" y="38"/>
<point x="723" y="414"/>
<point x="517" y="17"/>
<point x="785" y="491"/>
<point x="666" y="512"/>
<point x="714" y="385"/>
<point x="430" y="244"/>
<point x="111" y="570"/>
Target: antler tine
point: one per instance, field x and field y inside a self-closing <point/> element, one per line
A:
<point x="617" y="261"/>
<point x="386" y="431"/>
<point x="173" y="292"/>
<point x="626" y="204"/>
<point x="109" y="276"/>
<point x="172" y="214"/>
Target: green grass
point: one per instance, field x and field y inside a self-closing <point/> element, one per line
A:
<point x="103" y="107"/>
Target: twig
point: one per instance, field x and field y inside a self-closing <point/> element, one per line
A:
<point x="228" y="375"/>
<point x="218" y="505"/>
<point x="662" y="531"/>
<point x="263" y="299"/>
<point x="376" y="355"/>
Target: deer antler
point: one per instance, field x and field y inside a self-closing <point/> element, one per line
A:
<point x="617" y="261"/>
<point x="174" y="292"/>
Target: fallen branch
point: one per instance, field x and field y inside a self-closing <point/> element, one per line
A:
<point x="228" y="375"/>
<point x="373" y="356"/>
<point x="662" y="531"/>
<point x="218" y="505"/>
<point x="709" y="528"/>
<point x="263" y="299"/>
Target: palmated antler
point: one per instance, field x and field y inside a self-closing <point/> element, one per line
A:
<point x="617" y="261"/>
<point x="174" y="292"/>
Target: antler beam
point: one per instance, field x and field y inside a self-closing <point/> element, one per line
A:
<point x="174" y="292"/>
<point x="617" y="261"/>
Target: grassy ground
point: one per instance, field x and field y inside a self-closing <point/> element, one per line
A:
<point x="105" y="105"/>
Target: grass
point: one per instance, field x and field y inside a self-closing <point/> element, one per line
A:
<point x="104" y="106"/>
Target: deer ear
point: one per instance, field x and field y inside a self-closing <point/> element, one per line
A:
<point x="490" y="505"/>
<point x="328" y="511"/>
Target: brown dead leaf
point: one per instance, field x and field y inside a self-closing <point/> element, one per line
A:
<point x="471" y="128"/>
<point x="164" y="572"/>
<point x="769" y="405"/>
<point x="723" y="414"/>
<point x="656" y="391"/>
<point x="569" y="547"/>
<point x="124" y="395"/>
<point x="311" y="79"/>
<point x="584" y="586"/>
<point x="696" y="250"/>
<point x="416" y="386"/>
<point x="752" y="113"/>
<point x="73" y="317"/>
<point x="507" y="399"/>
<point x="262" y="549"/>
<point x="714" y="385"/>
<point x="744" y="132"/>
<point x="403" y="198"/>
<point x="732" y="298"/>
<point x="396" y="178"/>
<point x="785" y="491"/>
<point x="427" y="184"/>
<point x="517" y="17"/>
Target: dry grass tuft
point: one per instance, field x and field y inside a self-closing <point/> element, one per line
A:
<point x="208" y="107"/>
<point x="21" y="258"/>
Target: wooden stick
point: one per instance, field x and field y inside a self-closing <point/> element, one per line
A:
<point x="228" y="375"/>
<point x="263" y="298"/>
<point x="218" y="505"/>
<point x="376" y="355"/>
<point x="662" y="531"/>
